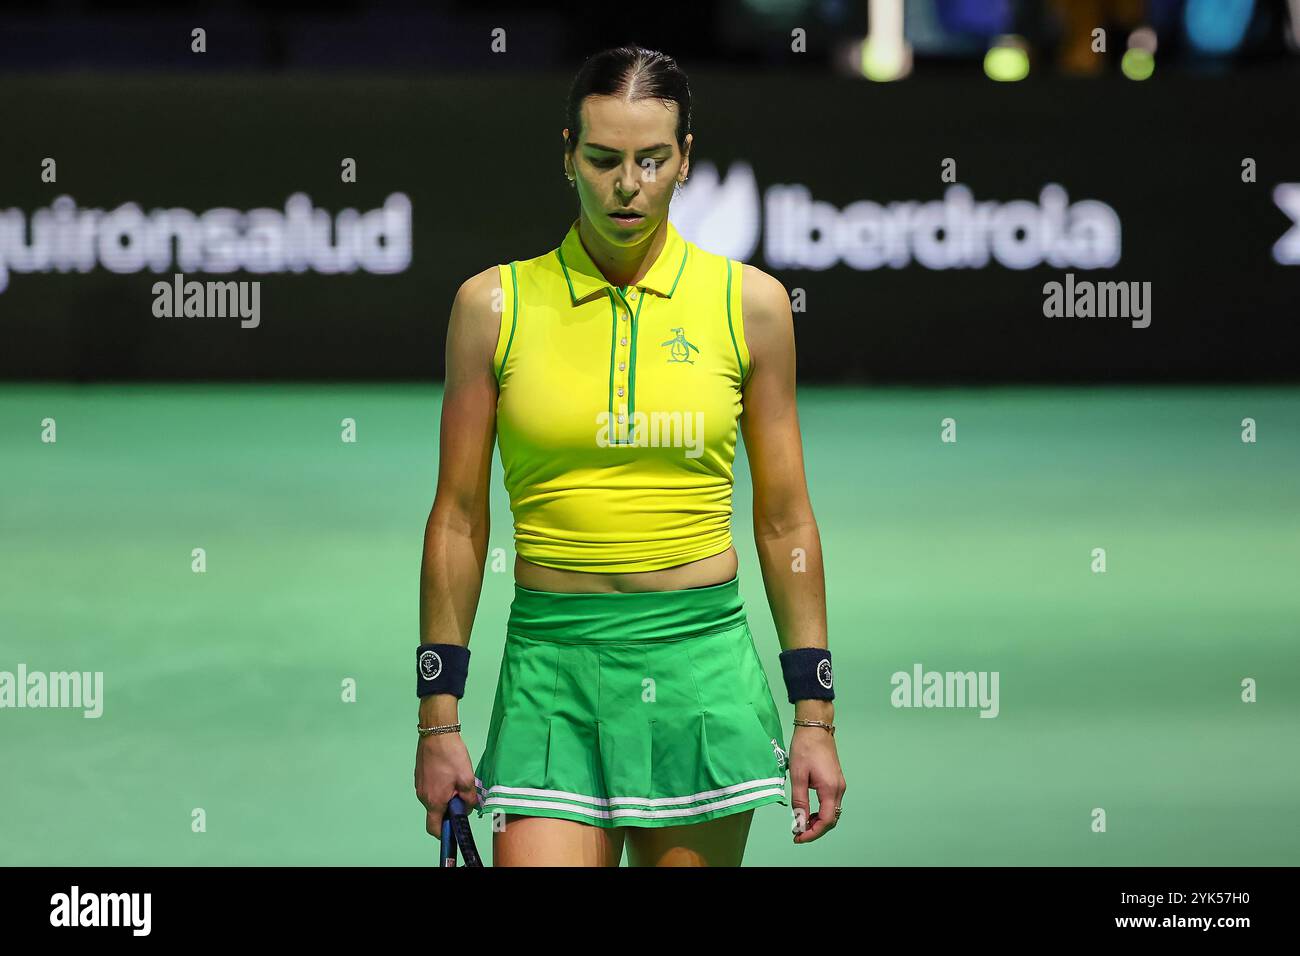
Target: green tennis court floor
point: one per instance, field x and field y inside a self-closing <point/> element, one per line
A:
<point x="1118" y="692"/>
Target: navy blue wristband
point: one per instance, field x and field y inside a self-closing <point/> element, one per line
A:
<point x="807" y="673"/>
<point x="441" y="669"/>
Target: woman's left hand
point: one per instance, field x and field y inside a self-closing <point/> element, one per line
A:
<point x="814" y="764"/>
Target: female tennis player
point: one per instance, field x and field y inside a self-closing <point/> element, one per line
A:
<point x="632" y="709"/>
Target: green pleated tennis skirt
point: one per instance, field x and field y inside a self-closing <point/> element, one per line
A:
<point x="648" y="709"/>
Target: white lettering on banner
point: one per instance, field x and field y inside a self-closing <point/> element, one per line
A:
<point x="955" y="232"/>
<point x="722" y="216"/>
<point x="1286" y="251"/>
<point x="65" y="238"/>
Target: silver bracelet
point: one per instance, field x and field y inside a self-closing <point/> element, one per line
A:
<point x="444" y="729"/>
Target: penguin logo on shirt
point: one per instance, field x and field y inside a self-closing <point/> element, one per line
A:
<point x="679" y="350"/>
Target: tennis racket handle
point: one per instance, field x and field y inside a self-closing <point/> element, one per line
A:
<point x="447" y="844"/>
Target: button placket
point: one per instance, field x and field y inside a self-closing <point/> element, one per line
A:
<point x="621" y="378"/>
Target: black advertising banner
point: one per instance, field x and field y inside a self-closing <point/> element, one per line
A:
<point x="928" y="231"/>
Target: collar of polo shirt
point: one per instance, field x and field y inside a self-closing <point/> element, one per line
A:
<point x="585" y="280"/>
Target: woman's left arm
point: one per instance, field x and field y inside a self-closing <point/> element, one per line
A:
<point x="785" y="533"/>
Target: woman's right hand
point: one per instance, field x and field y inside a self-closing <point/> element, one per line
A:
<point x="457" y="532"/>
<point x="442" y="770"/>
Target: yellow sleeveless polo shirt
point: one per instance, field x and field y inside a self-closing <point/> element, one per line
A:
<point x="618" y="407"/>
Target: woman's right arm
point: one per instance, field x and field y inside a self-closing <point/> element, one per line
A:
<point x="456" y="534"/>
